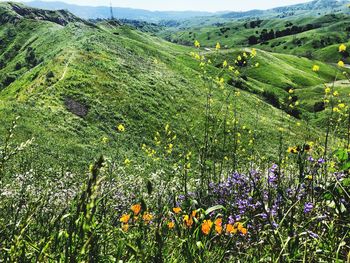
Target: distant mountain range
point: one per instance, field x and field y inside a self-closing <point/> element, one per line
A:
<point x="93" y="12"/>
<point x="315" y="7"/>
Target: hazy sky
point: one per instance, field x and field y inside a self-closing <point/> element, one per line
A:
<point x="203" y="5"/>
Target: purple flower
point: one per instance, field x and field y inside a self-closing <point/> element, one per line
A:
<point x="308" y="207"/>
<point x="231" y="220"/>
<point x="313" y="235"/>
<point x="310" y="159"/>
<point x="321" y="161"/>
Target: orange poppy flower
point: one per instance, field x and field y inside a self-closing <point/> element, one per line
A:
<point x="206" y="226"/>
<point x="136" y="209"/>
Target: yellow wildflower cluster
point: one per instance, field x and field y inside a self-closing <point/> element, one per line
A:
<point x="342" y="48"/>
<point x="316" y="68"/>
<point x="121" y="128"/>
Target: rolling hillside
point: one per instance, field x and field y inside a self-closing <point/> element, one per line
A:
<point x="312" y="37"/>
<point x="73" y="82"/>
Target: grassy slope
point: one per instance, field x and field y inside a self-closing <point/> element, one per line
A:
<point x="124" y="76"/>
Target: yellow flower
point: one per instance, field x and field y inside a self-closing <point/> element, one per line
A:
<point x="171" y="225"/>
<point x="291" y="91"/>
<point x="239" y="58"/>
<point x="225" y="64"/>
<point x="316" y="68"/>
<point x="342" y="48"/>
<point x="104" y="139"/>
<point x="218" y="46"/>
<point x="136" y="209"/>
<point x="335" y="93"/>
<point x="147" y="217"/>
<point x="206" y="226"/>
<point x="293" y="150"/>
<point x="121" y="128"/>
<point x="127" y="162"/>
<point x="177" y="210"/>
<point x="336" y="109"/>
<point x="341" y="64"/>
<point x="253" y="54"/>
<point x="125" y="218"/>
<point x="341" y="105"/>
<point x="327" y="90"/>
<point x="125" y="227"/>
<point x="197" y="44"/>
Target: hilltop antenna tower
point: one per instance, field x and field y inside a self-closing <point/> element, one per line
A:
<point x="111" y="9"/>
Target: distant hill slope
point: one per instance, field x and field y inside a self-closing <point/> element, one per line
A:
<point x="309" y="36"/>
<point x="73" y="83"/>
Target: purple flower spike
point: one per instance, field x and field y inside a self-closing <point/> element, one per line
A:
<point x="308" y="207"/>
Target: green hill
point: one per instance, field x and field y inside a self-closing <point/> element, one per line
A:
<point x="309" y="36"/>
<point x="73" y="83"/>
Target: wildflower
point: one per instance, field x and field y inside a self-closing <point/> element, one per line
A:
<point x="147" y="217"/>
<point x="291" y="91"/>
<point x="230" y="229"/>
<point x="218" y="225"/>
<point x="341" y="64"/>
<point x="293" y="150"/>
<point x="225" y="64"/>
<point x="257" y="65"/>
<point x="313" y="235"/>
<point x="316" y="68"/>
<point x="335" y="93"/>
<point x="104" y="139"/>
<point x="127" y="162"/>
<point x="218" y="46"/>
<point x="136" y="209"/>
<point x="206" y="226"/>
<point x="194" y="213"/>
<point x="341" y="105"/>
<point x="171" y="225"/>
<point x="321" y="161"/>
<point x="308" y="207"/>
<point x="125" y="227"/>
<point x="177" y="210"/>
<point x="243" y="231"/>
<point x="121" y="128"/>
<point x="125" y="218"/>
<point x="327" y="90"/>
<point x="197" y="44"/>
<point x="239" y="58"/>
<point x="342" y="48"/>
<point x="253" y="54"/>
<point x="336" y="109"/>
<point x="188" y="220"/>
